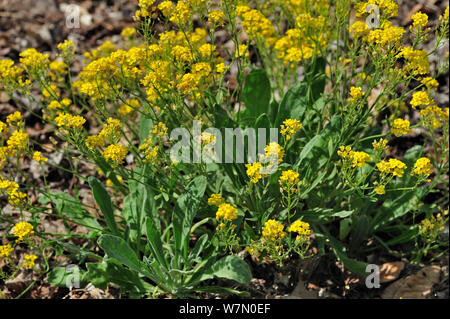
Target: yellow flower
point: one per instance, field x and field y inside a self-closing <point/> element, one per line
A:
<point x="274" y="150"/>
<point x="217" y="17"/>
<point x="33" y="60"/>
<point x="423" y="167"/>
<point x="380" y="190"/>
<point x="28" y="261"/>
<point x="68" y="121"/>
<point x="5" y="250"/>
<point x="215" y="200"/>
<point x="359" y="29"/>
<point x="94" y="141"/>
<point x="242" y="51"/>
<point x="159" y="130"/>
<point x="115" y="153"/>
<point x="166" y="8"/>
<point x="416" y="61"/>
<point x="181" y="14"/>
<point x="17" y="199"/>
<point x="345" y="152"/>
<point x="400" y="127"/>
<point x="301" y="228"/>
<point x="67" y="48"/>
<point x="381" y="144"/>
<point x="128" y="32"/>
<point x="419" y="20"/>
<point x="288" y="179"/>
<point x="360" y="159"/>
<point x="226" y="212"/>
<point x="111" y="130"/>
<point x="18" y="141"/>
<point x="272" y="231"/>
<point x="290" y="127"/>
<point x="356" y="93"/>
<point x="393" y="166"/>
<point x="39" y="158"/>
<point x="14" y="119"/>
<point x="149" y="149"/>
<point x="430" y="83"/>
<point x="254" y="171"/>
<point x="22" y="230"/>
<point x="421" y="99"/>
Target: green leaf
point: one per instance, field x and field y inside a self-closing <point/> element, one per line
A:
<point x="340" y="252"/>
<point x="100" y="274"/>
<point x="257" y="92"/>
<point x="103" y="200"/>
<point x="155" y="243"/>
<point x="293" y="104"/>
<point x="118" y="249"/>
<point x="72" y="208"/>
<point x="145" y="126"/>
<point x="230" y="267"/>
<point x="60" y="276"/>
<point x="185" y="211"/>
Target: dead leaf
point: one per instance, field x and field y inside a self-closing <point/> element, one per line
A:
<point x="416" y="286"/>
<point x="391" y="271"/>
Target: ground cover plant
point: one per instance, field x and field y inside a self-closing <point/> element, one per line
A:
<point x="180" y="209"/>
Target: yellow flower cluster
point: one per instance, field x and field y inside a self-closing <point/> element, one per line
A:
<point x="22" y="230"/>
<point x="128" y="32"/>
<point x="290" y="127"/>
<point x="387" y="35"/>
<point x="400" y="127"/>
<point x="67" y="48"/>
<point x="388" y="8"/>
<point x="430" y="83"/>
<point x="5" y="250"/>
<point x="33" y="60"/>
<point x="345" y="152"/>
<point x="356" y="93"/>
<point x="254" y="22"/>
<point x="359" y="159"/>
<point x="28" y="261"/>
<point x="433" y="226"/>
<point x="272" y="231"/>
<point x="111" y="130"/>
<point x="15" y="197"/>
<point x="149" y="150"/>
<point x="94" y="141"/>
<point x="129" y="106"/>
<point x="37" y="156"/>
<point x="115" y="153"/>
<point x="226" y="212"/>
<point x="380" y="190"/>
<point x="17" y="142"/>
<point x="254" y="171"/>
<point x="416" y="61"/>
<point x="288" y="180"/>
<point x="419" y="19"/>
<point x="217" y="17"/>
<point x="68" y="121"/>
<point x="274" y="151"/>
<point x="421" y="99"/>
<point x="216" y="200"/>
<point x="392" y="166"/>
<point x="422" y="167"/>
<point x="14" y="119"/>
<point x="380" y="145"/>
<point x="159" y="130"/>
<point x="359" y="29"/>
<point x="301" y="228"/>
